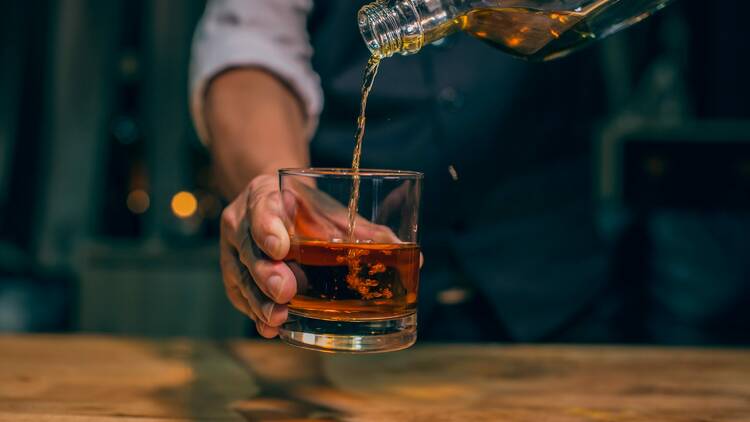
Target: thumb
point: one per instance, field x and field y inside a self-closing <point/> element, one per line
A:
<point x="265" y="217"/>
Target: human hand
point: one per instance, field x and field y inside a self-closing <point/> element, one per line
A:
<point x="253" y="242"/>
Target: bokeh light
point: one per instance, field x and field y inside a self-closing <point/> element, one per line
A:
<point x="138" y="201"/>
<point x="184" y="204"/>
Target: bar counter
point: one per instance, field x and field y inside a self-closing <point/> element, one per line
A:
<point x="95" y="378"/>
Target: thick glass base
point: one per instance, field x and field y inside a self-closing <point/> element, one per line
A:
<point x="350" y="336"/>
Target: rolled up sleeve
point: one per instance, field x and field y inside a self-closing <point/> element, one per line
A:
<point x="267" y="34"/>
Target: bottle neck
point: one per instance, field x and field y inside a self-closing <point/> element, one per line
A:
<point x="404" y="26"/>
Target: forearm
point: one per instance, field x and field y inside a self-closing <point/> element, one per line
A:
<point x="256" y="126"/>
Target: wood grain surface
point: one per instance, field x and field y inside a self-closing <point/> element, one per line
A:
<point x="83" y="378"/>
<point x="60" y="378"/>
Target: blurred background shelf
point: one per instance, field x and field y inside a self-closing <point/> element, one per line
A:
<point x="95" y="143"/>
<point x="151" y="291"/>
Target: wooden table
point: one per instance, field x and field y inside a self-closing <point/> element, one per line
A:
<point x="86" y="378"/>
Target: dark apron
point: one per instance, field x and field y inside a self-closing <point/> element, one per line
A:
<point x="517" y="229"/>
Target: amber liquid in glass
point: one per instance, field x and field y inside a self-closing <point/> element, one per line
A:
<point x="354" y="281"/>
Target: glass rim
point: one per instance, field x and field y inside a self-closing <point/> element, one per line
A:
<point x="345" y="172"/>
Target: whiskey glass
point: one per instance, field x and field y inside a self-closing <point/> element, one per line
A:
<point x="357" y="273"/>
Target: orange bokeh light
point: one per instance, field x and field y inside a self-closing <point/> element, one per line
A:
<point x="184" y="204"/>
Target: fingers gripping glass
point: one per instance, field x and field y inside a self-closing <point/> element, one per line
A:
<point x="356" y="282"/>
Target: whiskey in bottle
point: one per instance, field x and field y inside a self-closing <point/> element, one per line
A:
<point x="538" y="30"/>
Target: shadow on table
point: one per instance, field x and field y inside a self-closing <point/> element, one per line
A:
<point x="296" y="384"/>
<point x="257" y="381"/>
<point x="292" y="383"/>
<point x="205" y="383"/>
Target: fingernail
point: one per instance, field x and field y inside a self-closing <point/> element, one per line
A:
<point x="272" y="244"/>
<point x="267" y="311"/>
<point x="274" y="286"/>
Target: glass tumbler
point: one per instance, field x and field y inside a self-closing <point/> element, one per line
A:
<point x="356" y="258"/>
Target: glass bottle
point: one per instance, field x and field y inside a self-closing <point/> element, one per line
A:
<point x="534" y="29"/>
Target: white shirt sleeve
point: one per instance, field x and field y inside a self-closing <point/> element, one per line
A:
<point x="269" y="34"/>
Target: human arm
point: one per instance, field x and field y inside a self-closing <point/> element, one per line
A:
<point x="255" y="101"/>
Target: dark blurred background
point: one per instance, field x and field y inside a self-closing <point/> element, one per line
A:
<point x="109" y="216"/>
